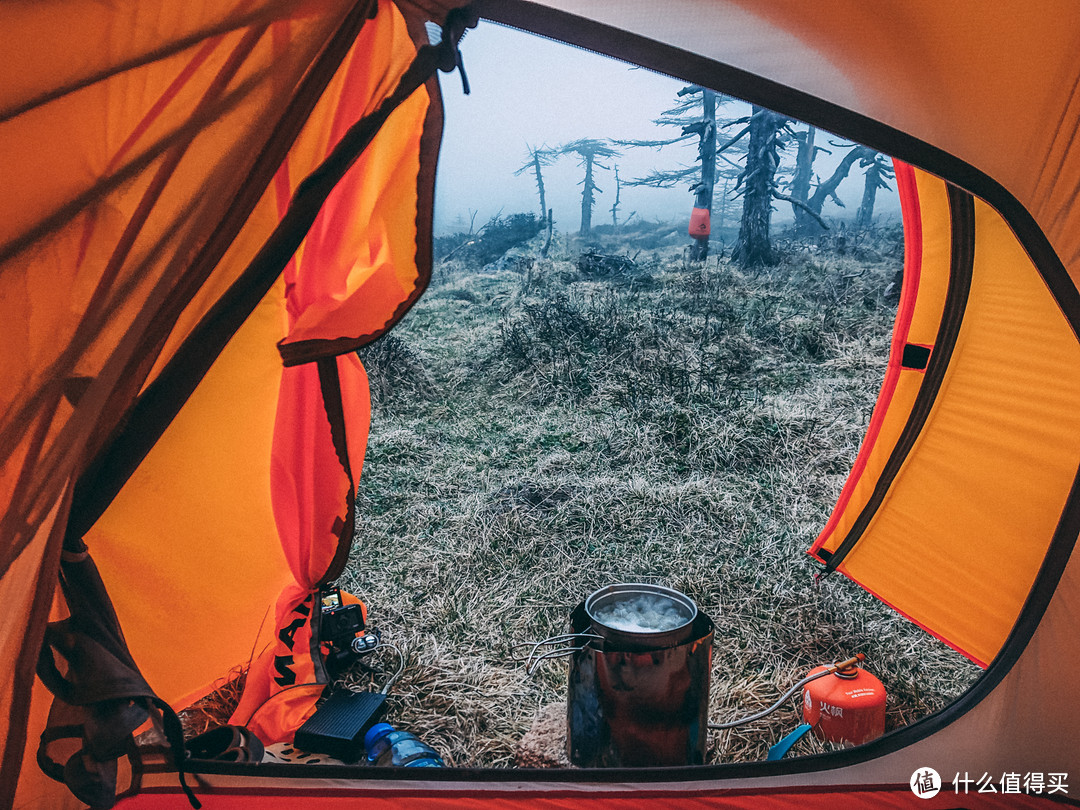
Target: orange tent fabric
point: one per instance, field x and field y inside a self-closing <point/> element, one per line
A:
<point x="999" y="431"/>
<point x="255" y="458"/>
<point x="104" y="237"/>
<point x="138" y="145"/>
<point x="249" y="75"/>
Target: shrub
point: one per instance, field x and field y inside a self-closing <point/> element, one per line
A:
<point x="491" y="242"/>
<point x="395" y="370"/>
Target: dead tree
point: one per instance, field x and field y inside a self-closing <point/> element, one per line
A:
<point x="826" y="190"/>
<point x="753" y="248"/>
<point x="878" y="172"/>
<point x="588" y="150"/>
<point x="695" y="114"/>
<point x="703" y="192"/>
<point x="615" y="205"/>
<point x="754" y="155"/>
<point x="759" y="142"/>
<point x="538" y="158"/>
<point x="803" y="177"/>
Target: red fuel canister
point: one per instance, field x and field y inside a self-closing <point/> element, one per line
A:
<point x="847" y="706"/>
<point x="700" y="223"/>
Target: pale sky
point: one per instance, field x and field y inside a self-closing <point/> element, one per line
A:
<point x="527" y="90"/>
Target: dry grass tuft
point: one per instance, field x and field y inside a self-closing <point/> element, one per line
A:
<point x="217" y="707"/>
<point x="547" y="433"/>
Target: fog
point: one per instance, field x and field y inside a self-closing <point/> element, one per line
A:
<point x="530" y="91"/>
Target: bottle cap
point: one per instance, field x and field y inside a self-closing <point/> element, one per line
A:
<point x="375" y="732"/>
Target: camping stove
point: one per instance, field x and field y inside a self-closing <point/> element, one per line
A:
<point x="631" y="703"/>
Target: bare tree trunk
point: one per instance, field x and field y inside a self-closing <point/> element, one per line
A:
<point x="587" y="150"/>
<point x="723" y="208"/>
<point x="587" y="197"/>
<point x="753" y="248"/>
<point x="615" y="205"/>
<point x="699" y="250"/>
<point x="550" y="231"/>
<point x="804" y="173"/>
<point x="540" y="183"/>
<point x="866" y="208"/>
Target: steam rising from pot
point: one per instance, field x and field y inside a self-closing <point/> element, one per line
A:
<point x="643" y="613"/>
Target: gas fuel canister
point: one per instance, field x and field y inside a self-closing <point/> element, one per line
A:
<point x="846" y="707"/>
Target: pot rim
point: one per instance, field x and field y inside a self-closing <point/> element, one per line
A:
<point x="679" y="598"/>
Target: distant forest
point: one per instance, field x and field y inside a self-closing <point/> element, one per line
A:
<point x="745" y="166"/>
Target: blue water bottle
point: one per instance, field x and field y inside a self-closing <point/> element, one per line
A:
<point x="385" y="746"/>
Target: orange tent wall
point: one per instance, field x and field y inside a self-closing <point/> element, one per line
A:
<point x="189" y="616"/>
<point x="927" y="236"/>
<point x="189" y="550"/>
<point x="103" y="245"/>
<point x="1002" y="432"/>
<point x="984" y="83"/>
<point x="118" y="130"/>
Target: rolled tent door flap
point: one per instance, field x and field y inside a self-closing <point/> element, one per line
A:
<point x="355" y="272"/>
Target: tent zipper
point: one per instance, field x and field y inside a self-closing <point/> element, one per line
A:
<point x="962" y="216"/>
